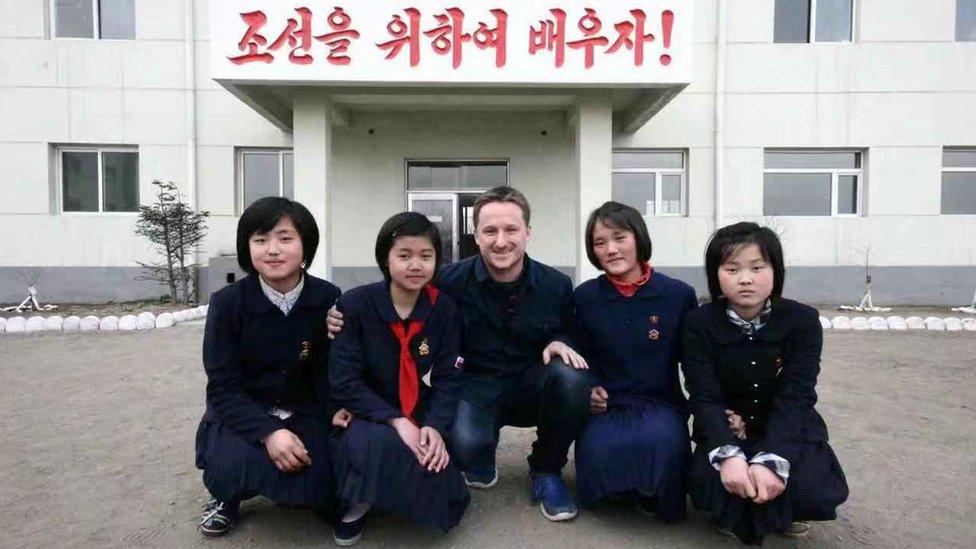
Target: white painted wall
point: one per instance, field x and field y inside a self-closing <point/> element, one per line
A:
<point x="902" y="91"/>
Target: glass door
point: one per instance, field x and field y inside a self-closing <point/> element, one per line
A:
<point x="441" y="209"/>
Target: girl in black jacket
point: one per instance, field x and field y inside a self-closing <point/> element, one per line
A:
<point x="265" y="352"/>
<point x="762" y="462"/>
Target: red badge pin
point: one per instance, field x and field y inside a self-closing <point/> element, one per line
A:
<point x="654" y="335"/>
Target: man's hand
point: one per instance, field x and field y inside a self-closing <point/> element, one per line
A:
<point x="287" y="451"/>
<point x="434" y="450"/>
<point x="736" y="424"/>
<point x="410" y="435"/>
<point x="564" y="352"/>
<point x="736" y="479"/>
<point x="334" y="322"/>
<point x="598" y="400"/>
<point x="768" y="484"/>
<point x="342" y="418"/>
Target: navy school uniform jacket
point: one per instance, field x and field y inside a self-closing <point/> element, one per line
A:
<point x="633" y="344"/>
<point x="768" y="378"/>
<point x="502" y="338"/>
<point x="257" y="358"/>
<point x="364" y="362"/>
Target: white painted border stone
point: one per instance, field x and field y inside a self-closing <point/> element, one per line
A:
<point x="53" y="323"/>
<point x="34" y="324"/>
<point x="90" y="324"/>
<point x="146" y="321"/>
<point x="109" y="323"/>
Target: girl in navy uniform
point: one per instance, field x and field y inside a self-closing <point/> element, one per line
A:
<point x="265" y="350"/>
<point x="753" y="353"/>
<point x="395" y="367"/>
<point x="627" y="323"/>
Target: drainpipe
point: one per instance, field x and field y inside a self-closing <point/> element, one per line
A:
<point x="720" y="50"/>
<point x="189" y="37"/>
<point x="191" y="102"/>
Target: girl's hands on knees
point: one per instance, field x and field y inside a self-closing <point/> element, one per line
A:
<point x="565" y="352"/>
<point x="736" y="478"/>
<point x="342" y="418"/>
<point x="769" y="485"/>
<point x="287" y="451"/>
<point x="410" y="435"/>
<point x="434" y="450"/>
<point x="598" y="400"/>
<point x="334" y="321"/>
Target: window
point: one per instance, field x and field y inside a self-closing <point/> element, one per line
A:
<point x="959" y="181"/>
<point x="265" y="172"/>
<point x="426" y="176"/>
<point x="107" y="19"/>
<point x="99" y="179"/>
<point x="653" y="182"/>
<point x="965" y="20"/>
<point x="801" y="21"/>
<point x="812" y="183"/>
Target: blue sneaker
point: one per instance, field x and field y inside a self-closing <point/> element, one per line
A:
<point x="349" y="533"/>
<point x="555" y="500"/>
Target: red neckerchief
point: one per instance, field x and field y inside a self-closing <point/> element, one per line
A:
<point x="409" y="384"/>
<point x="628" y="289"/>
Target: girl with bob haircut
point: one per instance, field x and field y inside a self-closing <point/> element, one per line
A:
<point x="265" y="352"/>
<point x="756" y="355"/>
<point x="627" y="323"/>
<point x="395" y="367"/>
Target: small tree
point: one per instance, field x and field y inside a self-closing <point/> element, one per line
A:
<point x="175" y="231"/>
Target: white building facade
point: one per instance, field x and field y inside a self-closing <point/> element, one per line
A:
<point x="848" y="125"/>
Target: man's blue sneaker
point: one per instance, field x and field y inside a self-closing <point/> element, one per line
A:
<point x="554" y="498"/>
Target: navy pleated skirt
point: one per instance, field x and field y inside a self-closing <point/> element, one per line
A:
<point x="639" y="446"/>
<point x="816" y="487"/>
<point x="372" y="465"/>
<point x="235" y="469"/>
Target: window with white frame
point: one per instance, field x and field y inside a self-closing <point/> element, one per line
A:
<point x="801" y="21"/>
<point x="965" y="20"/>
<point x="265" y="172"/>
<point x="959" y="181"/>
<point x="653" y="182"/>
<point x="105" y="19"/>
<point x="812" y="182"/>
<point x="99" y="179"/>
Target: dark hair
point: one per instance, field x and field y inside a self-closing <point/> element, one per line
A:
<point x="623" y="217"/>
<point x="503" y="193"/>
<point x="729" y="240"/>
<point x="261" y="216"/>
<point x="405" y="224"/>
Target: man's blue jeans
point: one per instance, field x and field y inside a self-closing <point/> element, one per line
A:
<point x="555" y="398"/>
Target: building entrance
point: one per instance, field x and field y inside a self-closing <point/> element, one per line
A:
<point x="445" y="191"/>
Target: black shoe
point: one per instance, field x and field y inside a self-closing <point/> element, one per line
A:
<point x="218" y="517"/>
<point x="348" y="533"/>
<point x="647" y="505"/>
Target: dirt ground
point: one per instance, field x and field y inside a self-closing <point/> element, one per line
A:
<point x="98" y="451"/>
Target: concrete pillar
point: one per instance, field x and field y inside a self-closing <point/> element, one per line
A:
<point x="313" y="167"/>
<point x="593" y="120"/>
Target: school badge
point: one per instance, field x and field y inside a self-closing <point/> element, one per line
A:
<point x="654" y="335"/>
<point x="653" y="319"/>
<point x="778" y="364"/>
<point x="306" y="350"/>
<point x="424" y="348"/>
